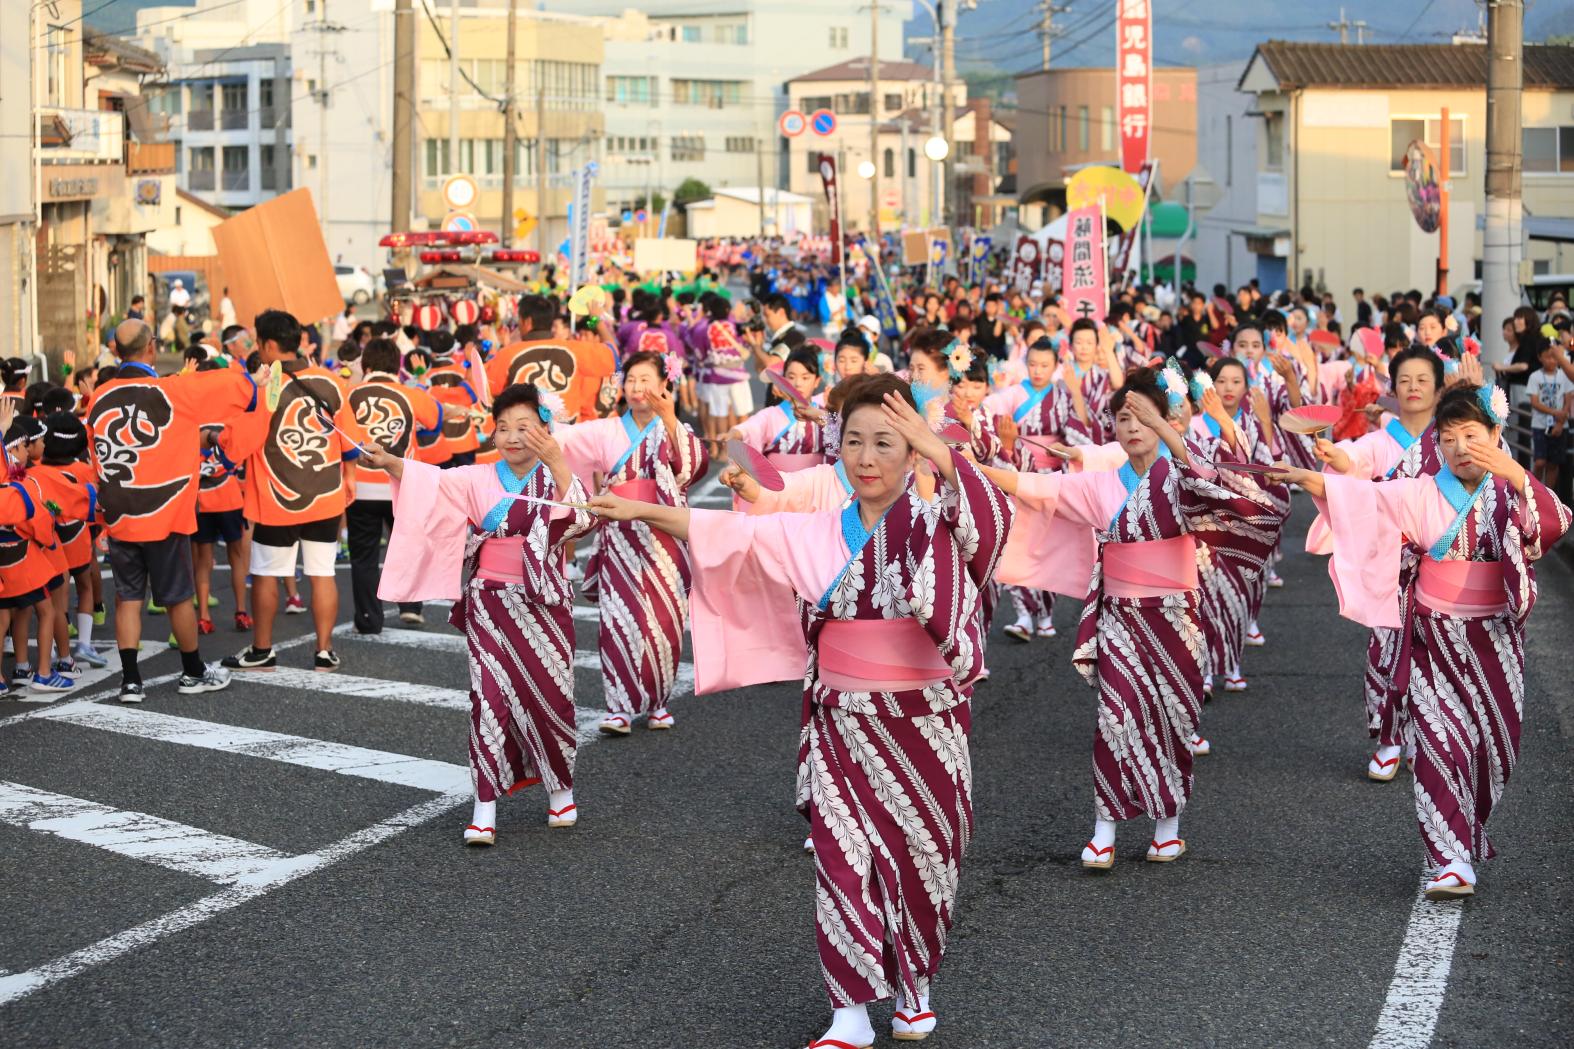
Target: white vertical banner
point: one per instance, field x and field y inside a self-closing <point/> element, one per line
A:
<point x="579" y="226"/>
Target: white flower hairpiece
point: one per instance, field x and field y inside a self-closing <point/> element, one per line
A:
<point x="551" y="404"/>
<point x="1174" y="385"/>
<point x="1201" y="382"/>
<point x="1494" y="402"/>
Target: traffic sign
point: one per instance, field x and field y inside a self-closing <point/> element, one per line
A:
<point x="460" y="192"/>
<point x="459" y="222"/>
<point x="793" y="123"/>
<point x="641" y="215"/>
<point x="822" y="122"/>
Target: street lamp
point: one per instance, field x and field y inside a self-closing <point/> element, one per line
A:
<point x="936" y="148"/>
<point x="866" y="169"/>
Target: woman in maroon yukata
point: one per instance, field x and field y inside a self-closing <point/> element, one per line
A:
<point x="1405" y="447"/>
<point x="886" y="593"/>
<point x="1084" y="386"/>
<point x="1140" y="641"/>
<point x="1474" y="527"/>
<point x="501" y="525"/>
<point x="641" y="576"/>
<point x="790" y="438"/>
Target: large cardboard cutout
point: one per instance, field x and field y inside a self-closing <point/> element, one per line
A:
<point x="664" y="254"/>
<point x="274" y="257"/>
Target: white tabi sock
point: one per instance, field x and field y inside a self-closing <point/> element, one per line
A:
<point x="484" y="814"/>
<point x="85" y="629"/>
<point x="851" y="1025"/>
<point x="558" y="800"/>
<point x="1463" y="868"/>
<point x="1166" y="829"/>
<point x="1104" y="833"/>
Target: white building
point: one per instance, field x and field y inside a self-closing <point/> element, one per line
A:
<point x="737" y="212"/>
<point x="18" y="209"/>
<point x="1227" y="131"/>
<point x="694" y="88"/>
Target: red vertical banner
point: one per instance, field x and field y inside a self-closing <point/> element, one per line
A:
<point x="1026" y="263"/>
<point x="1134" y="80"/>
<point x="833" y="199"/>
<point x="1087" y="282"/>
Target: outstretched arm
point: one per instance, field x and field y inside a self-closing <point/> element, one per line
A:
<point x="674" y="520"/>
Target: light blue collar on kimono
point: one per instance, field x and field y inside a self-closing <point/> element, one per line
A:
<point x="1402" y="437"/>
<point x="1130" y="479"/>
<point x="1462" y="501"/>
<point x="513" y="485"/>
<point x="841" y="475"/>
<point x="636" y="438"/>
<point x="1213" y="427"/>
<point x="1035" y="397"/>
<point x="792" y="420"/>
<point x="1077" y="368"/>
<point x="856" y="536"/>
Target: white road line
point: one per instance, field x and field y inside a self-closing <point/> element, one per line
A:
<point x="434" y="642"/>
<point x="17" y="985"/>
<point x="341" y="684"/>
<point x="346" y="760"/>
<point x="1415" y="997"/>
<point x="138" y="835"/>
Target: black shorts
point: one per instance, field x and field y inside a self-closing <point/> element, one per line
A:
<point x="163" y="565"/>
<point x="1549" y="448"/>
<point x="228" y="525"/>
<point x="324" y="531"/>
<point x="27" y="600"/>
<point x="57" y="582"/>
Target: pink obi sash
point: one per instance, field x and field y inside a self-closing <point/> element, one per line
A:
<point x="1154" y="568"/>
<point x="1463" y="589"/>
<point x="879" y="655"/>
<point x="502" y="560"/>
<point x="788" y="462"/>
<point x="641" y="489"/>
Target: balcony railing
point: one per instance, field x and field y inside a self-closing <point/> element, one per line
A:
<point x="199" y="120"/>
<point x="150" y="158"/>
<point x="238" y="180"/>
<point x="234" y="119"/>
<point x="199" y="180"/>
<point x="270" y="178"/>
<point x="81" y="134"/>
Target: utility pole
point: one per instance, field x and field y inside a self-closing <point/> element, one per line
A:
<point x="759" y="180"/>
<point x="322" y="27"/>
<point x="948" y="76"/>
<point x="541" y="161"/>
<point x="510" y="132"/>
<point x="1501" y="237"/>
<point x="874" y="119"/>
<point x="1344" y="25"/>
<point x="453" y="86"/>
<point x="1046" y="28"/>
<point x="403" y="102"/>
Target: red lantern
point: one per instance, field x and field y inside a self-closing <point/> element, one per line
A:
<point x="428" y="317"/>
<point x="465" y="311"/>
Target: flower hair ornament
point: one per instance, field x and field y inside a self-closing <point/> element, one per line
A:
<point x="674" y="366"/>
<point x="1494" y="402"/>
<point x="1200" y="383"/>
<point x="550" y="405"/>
<point x="959" y="358"/>
<point x="1174" y="385"/>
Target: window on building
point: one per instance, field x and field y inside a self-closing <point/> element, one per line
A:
<point x="893" y="103"/>
<point x="812" y="162"/>
<point x="740" y="144"/>
<point x="1107" y="128"/>
<point x="1065" y="142"/>
<point x="201" y="158"/>
<point x="691" y="34"/>
<point x="234" y="97"/>
<point x="265" y="93"/>
<point x="266" y="161"/>
<point x="1548" y="150"/>
<point x="437" y="158"/>
<point x="632" y="90"/>
<point x="311" y="162"/>
<point x="1273" y="140"/>
<point x="1082" y="128"/>
<point x="809" y="103"/>
<point x="1405" y="130"/>
<point x="688" y="147"/>
<point x="713" y="93"/>
<point x="888" y="164"/>
<point x="311" y="7"/>
<point x="838" y="38"/>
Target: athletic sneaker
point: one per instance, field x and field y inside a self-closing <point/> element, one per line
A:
<point x="327" y="661"/>
<point x="213" y="601"/>
<point x="132" y="693"/>
<point x="89" y="655"/>
<point x="67" y="668"/>
<point x="22" y="675"/>
<point x="213" y="679"/>
<point x="173" y="642"/>
<point x="98" y="615"/>
<point x="157" y="610"/>
<point x="243" y="621"/>
<point x="53" y="683"/>
<point x="251" y="659"/>
<point x="294" y="606"/>
<point x="204" y="626"/>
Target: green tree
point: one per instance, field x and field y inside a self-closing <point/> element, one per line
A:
<point x="690" y="190"/>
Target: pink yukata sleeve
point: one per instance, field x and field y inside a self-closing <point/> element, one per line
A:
<point x="1372" y="455"/>
<point x="1045" y="549"/>
<point x="586" y="447"/>
<point x="758" y="429"/>
<point x="426" y="550"/>
<point x="748" y="575"/>
<point x="1369" y="522"/>
<point x="1099" y="458"/>
<point x="803" y="492"/>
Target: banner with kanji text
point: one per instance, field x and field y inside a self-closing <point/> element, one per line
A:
<point x="1134" y="81"/>
<point x="1087" y="283"/>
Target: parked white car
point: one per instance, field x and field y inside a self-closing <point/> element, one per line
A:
<point x="355" y="284"/>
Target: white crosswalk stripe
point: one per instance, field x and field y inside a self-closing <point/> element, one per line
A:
<point x="138" y="835"/>
<point x="341" y="684"/>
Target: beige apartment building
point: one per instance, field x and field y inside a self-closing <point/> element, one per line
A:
<point x="1336" y="120"/>
<point x="1066" y="121"/>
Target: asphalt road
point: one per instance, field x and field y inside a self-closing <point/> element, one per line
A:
<point x="679" y="911"/>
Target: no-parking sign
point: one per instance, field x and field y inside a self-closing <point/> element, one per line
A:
<point x="792" y="123"/>
<point x="822" y="122"/>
